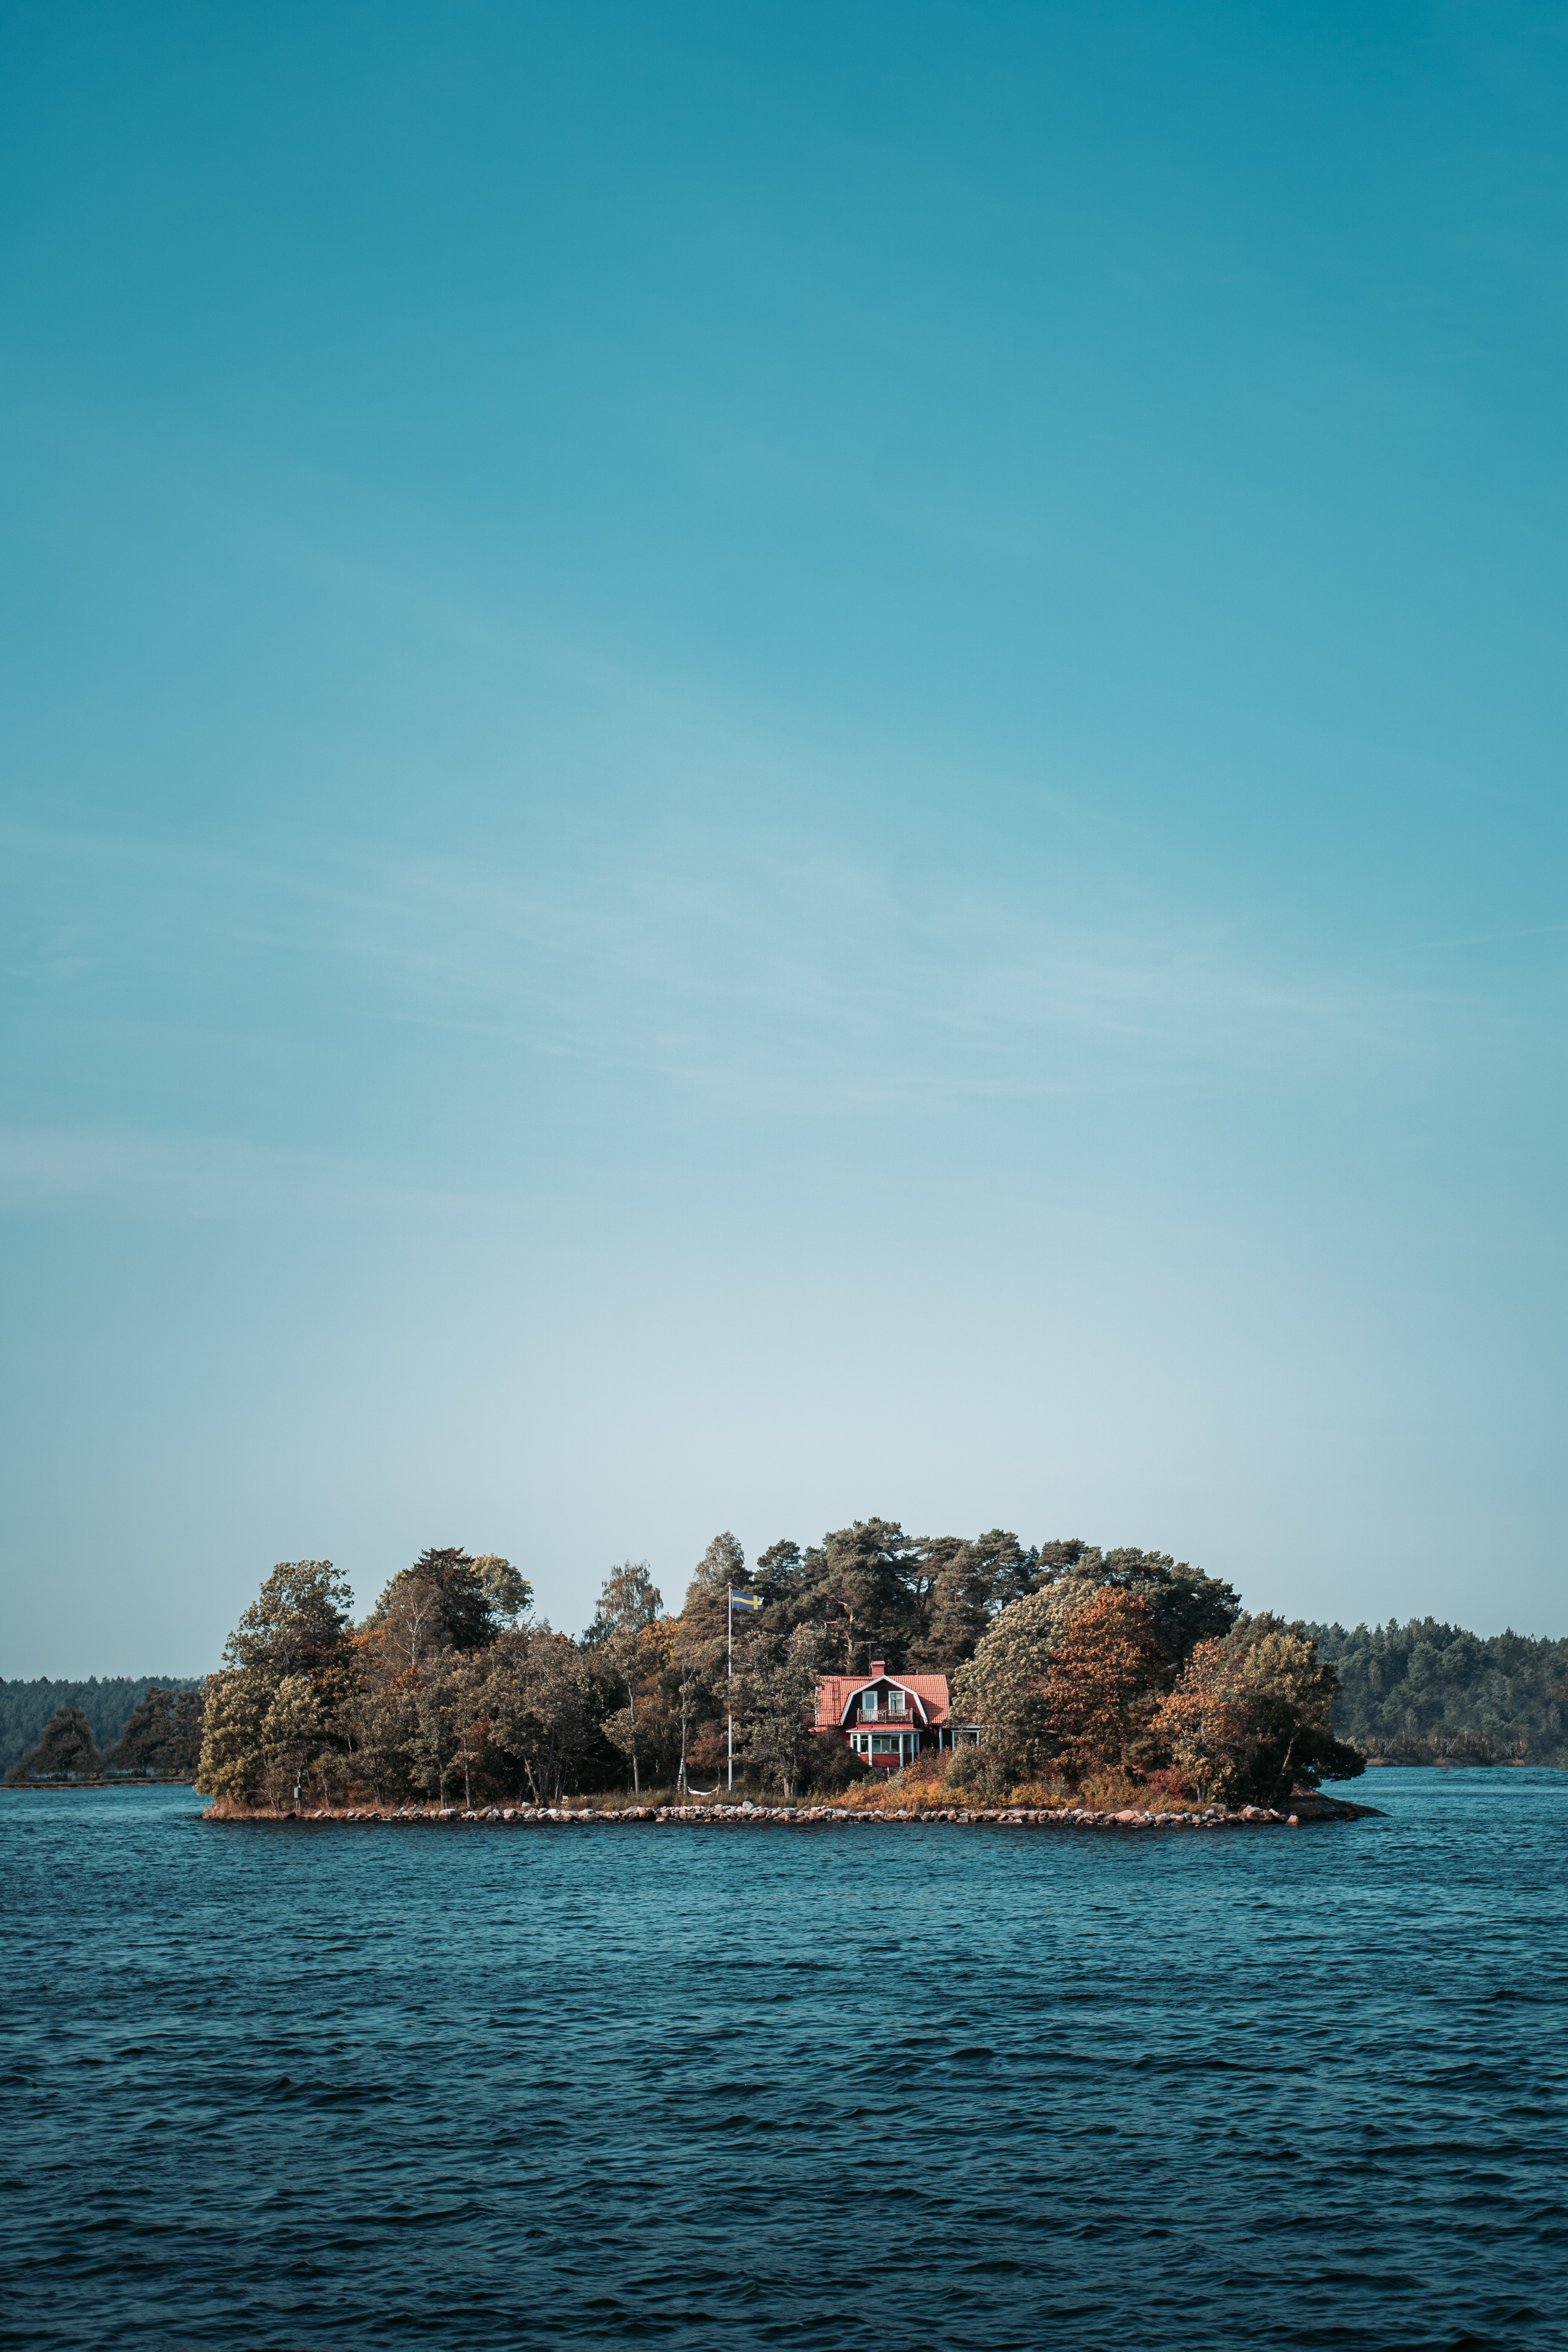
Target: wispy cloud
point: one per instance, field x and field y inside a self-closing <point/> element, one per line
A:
<point x="193" y="1176"/>
<point x="754" y="971"/>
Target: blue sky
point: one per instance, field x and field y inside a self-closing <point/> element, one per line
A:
<point x="763" y="764"/>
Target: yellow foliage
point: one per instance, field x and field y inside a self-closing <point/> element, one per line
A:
<point x="1041" y="1796"/>
<point x="875" y="1795"/>
<point x="1109" y="1789"/>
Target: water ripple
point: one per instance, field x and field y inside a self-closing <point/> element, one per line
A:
<point x="268" y="2092"/>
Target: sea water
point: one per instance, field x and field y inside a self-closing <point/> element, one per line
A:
<point x="979" y="2087"/>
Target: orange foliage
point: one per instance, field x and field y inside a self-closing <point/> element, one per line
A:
<point x="874" y="1794"/>
<point x="1208" y="1720"/>
<point x="1106" y="1663"/>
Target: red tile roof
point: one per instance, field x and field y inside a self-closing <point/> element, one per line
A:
<point x="834" y="1693"/>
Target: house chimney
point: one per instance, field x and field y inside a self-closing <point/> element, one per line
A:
<point x="879" y="1668"/>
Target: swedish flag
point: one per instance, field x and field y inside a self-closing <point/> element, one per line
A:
<point x="744" y="1601"/>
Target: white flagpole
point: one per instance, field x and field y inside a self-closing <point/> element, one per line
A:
<point x="730" y="1692"/>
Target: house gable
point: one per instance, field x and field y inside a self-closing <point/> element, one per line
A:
<point x="888" y="1718"/>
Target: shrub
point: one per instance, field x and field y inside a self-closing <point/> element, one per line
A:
<point x="834" y="1767"/>
<point x="975" y="1776"/>
<point x="1109" y="1791"/>
<point x="875" y="1790"/>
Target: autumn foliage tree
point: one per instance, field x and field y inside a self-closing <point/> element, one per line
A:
<point x="1208" y="1724"/>
<point x="1251" y="1716"/>
<point x="1103" y="1677"/>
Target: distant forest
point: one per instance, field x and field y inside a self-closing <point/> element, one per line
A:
<point x="25" y="1707"/>
<point x="1426" y="1694"/>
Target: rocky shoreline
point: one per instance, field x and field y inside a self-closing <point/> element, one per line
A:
<point x="1304" y="1808"/>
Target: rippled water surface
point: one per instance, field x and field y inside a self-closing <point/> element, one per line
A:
<point x="969" y="2086"/>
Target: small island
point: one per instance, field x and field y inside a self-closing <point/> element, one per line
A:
<point x="882" y="1807"/>
<point x="873" y="1678"/>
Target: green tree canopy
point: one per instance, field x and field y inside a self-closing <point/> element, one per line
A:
<point x="545" y="1703"/>
<point x="705" y="1613"/>
<point x="775" y="1703"/>
<point x="863" y="1580"/>
<point x="285" y="1666"/>
<point x="628" y="1600"/>
<point x="619" y="1640"/>
<point x="928" y="1600"/>
<point x="164" y="1734"/>
<point x="67" y="1749"/>
<point x="231" y="1758"/>
<point x="955" y="1589"/>
<point x="449" y="1600"/>
<point x="509" y="1591"/>
<point x="1186" y="1606"/>
<point x="295" y="1624"/>
<point x="1427" y="1690"/>
<point x="1003" y="1688"/>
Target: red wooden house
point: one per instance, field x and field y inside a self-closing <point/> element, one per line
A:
<point x="888" y="1719"/>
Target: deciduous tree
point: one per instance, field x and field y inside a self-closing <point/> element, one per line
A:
<point x="433" y="1740"/>
<point x="163" y="1734"/>
<point x="291" y="1735"/>
<point x="372" y="1726"/>
<point x="1250" y="1717"/>
<point x="1103" y="1677"/>
<point x="66" y="1750"/>
<point x="231" y="1758"/>
<point x="295" y="1634"/>
<point x="294" y="1625"/>
<point x="629" y="1604"/>
<point x="774" y="1706"/>
<point x="1003" y="1687"/>
<point x="507" y="1590"/>
<point x="689" y="1676"/>
<point x="544" y="1702"/>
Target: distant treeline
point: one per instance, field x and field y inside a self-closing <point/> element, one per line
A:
<point x="1425" y="1692"/>
<point x="109" y="1705"/>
